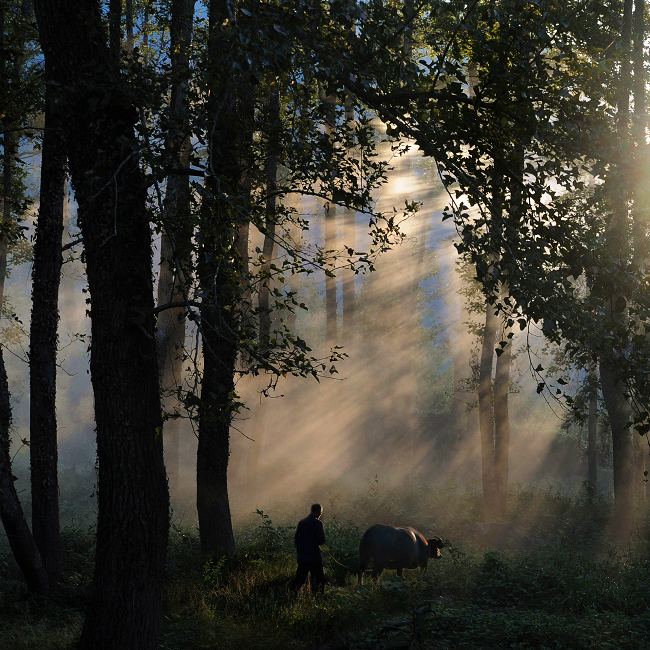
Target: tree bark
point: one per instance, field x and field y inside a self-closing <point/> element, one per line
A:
<point x="272" y="159"/>
<point x="20" y="538"/>
<point x="128" y="15"/>
<point x="620" y="417"/>
<point x="115" y="31"/>
<point x="176" y="238"/>
<point x="126" y="608"/>
<point x="331" y="240"/>
<point x="486" y="410"/>
<point x="46" y="275"/>
<point x="220" y="279"/>
<point x="592" y="433"/>
<point x="639" y="128"/>
<point x="618" y="245"/>
<point x="502" y="425"/>
<point x="349" y="294"/>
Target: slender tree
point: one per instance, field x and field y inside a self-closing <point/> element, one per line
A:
<point x="330" y="240"/>
<point x="20" y="538"/>
<point x="502" y="422"/>
<point x="618" y="246"/>
<point x="126" y="606"/>
<point x="486" y="409"/>
<point x="177" y="229"/>
<point x="115" y="30"/>
<point x="46" y="275"/>
<point x="272" y="160"/>
<point x="592" y="431"/>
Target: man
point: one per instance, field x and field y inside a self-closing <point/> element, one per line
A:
<point x="309" y="536"/>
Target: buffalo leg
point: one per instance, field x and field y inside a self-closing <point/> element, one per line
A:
<point x="376" y="573"/>
<point x="400" y="572"/>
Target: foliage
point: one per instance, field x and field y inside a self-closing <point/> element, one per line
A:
<point x="561" y="585"/>
<point x="517" y="104"/>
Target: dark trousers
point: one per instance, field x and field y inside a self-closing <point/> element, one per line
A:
<point x="315" y="570"/>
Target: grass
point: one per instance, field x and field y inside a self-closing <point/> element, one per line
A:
<point x="552" y="580"/>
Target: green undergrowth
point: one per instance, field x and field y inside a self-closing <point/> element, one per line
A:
<point x="555" y="580"/>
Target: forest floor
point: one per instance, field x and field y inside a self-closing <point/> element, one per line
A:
<point x="551" y="579"/>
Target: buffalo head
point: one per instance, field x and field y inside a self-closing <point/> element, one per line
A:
<point x="435" y="544"/>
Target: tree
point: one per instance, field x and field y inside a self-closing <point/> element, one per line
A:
<point x="13" y="26"/>
<point x="592" y="432"/>
<point x="244" y="45"/>
<point x="126" y="607"/>
<point x="219" y="271"/>
<point x="46" y="275"/>
<point x="272" y="160"/>
<point x="177" y="228"/>
<point x="329" y="100"/>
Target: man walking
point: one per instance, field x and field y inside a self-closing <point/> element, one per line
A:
<point x="309" y="536"/>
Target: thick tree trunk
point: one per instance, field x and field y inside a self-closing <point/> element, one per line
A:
<point x="502" y="425"/>
<point x="220" y="280"/>
<point x="219" y="354"/>
<point x="126" y="607"/>
<point x="43" y="338"/>
<point x="486" y="410"/>
<point x="176" y="238"/>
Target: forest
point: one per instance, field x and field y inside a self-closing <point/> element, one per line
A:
<point x="387" y="256"/>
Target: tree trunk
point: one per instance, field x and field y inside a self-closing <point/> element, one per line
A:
<point x="502" y="425"/>
<point x="349" y="294"/>
<point x="126" y="607"/>
<point x="115" y="31"/>
<point x="146" y="11"/>
<point x="272" y="158"/>
<point x="128" y="11"/>
<point x="486" y="410"/>
<point x="592" y="434"/>
<point x="19" y="536"/>
<point x="612" y="382"/>
<point x="620" y="417"/>
<point x="220" y="280"/>
<point x="176" y="238"/>
<point x="641" y="213"/>
<point x="331" y="240"/>
<point x="20" y="539"/>
<point x="460" y="359"/>
<point x="43" y="338"/>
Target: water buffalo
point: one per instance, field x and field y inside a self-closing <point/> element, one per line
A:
<point x="388" y="547"/>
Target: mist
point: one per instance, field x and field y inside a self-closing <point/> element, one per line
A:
<point x="399" y="414"/>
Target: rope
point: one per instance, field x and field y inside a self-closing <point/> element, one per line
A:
<point x="345" y="566"/>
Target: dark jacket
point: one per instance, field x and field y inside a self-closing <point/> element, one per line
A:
<point x="309" y="536"/>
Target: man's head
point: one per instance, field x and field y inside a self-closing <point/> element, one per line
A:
<point x="316" y="510"/>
